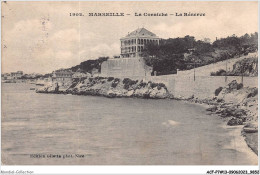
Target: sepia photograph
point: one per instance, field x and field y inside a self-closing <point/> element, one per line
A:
<point x="129" y="83"/>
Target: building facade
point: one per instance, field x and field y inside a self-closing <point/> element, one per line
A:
<point x="133" y="44"/>
<point x="131" y="64"/>
<point x="62" y="77"/>
<point x="16" y="75"/>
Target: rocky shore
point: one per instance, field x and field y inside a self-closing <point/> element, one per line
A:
<point x="110" y="87"/>
<point x="236" y="104"/>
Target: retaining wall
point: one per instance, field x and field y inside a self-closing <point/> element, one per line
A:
<point x="202" y="87"/>
<point x="125" y="67"/>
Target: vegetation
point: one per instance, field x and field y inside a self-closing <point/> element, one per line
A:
<point x="183" y="53"/>
<point x="110" y="79"/>
<point x="245" y="67"/>
<point x="218" y="90"/>
<point x="128" y="83"/>
<point x="115" y="82"/>
<point x="220" y="72"/>
<point x="89" y="65"/>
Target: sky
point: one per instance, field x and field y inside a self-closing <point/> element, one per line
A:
<point x="40" y="37"/>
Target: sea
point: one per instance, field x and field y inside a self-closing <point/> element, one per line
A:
<point x="57" y="129"/>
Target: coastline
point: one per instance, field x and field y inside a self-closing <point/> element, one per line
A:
<point x="236" y="104"/>
<point x="236" y="112"/>
<point x="250" y="139"/>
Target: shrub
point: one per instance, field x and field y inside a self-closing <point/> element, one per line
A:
<point x="220" y="72"/>
<point x="212" y="73"/>
<point x="161" y="85"/>
<point x="239" y="86"/>
<point x="115" y="82"/>
<point x="142" y="84"/>
<point x="110" y="79"/>
<point x="252" y="94"/>
<point x="128" y="82"/>
<point x="153" y="85"/>
<point x="218" y="90"/>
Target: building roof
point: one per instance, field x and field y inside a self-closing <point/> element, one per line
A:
<point x="141" y="32"/>
<point x="61" y="71"/>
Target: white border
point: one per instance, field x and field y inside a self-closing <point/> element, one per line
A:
<point x="126" y="169"/>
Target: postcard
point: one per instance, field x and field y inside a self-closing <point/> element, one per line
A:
<point x="129" y="83"/>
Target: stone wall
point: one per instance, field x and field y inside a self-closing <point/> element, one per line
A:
<point x="125" y="67"/>
<point x="180" y="85"/>
<point x="202" y="87"/>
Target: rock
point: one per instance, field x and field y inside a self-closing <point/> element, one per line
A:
<point x="218" y="90"/>
<point x="212" y="109"/>
<point x="130" y="93"/>
<point x="234" y="122"/>
<point x="158" y="94"/>
<point x="141" y="92"/>
<point x="111" y="94"/>
<point x="232" y="111"/>
<point x="110" y="87"/>
<point x="253" y="93"/>
<point x="233" y="85"/>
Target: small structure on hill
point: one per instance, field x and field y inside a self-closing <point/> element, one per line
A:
<point x="80" y="75"/>
<point x="62" y="77"/>
<point x="16" y="75"/>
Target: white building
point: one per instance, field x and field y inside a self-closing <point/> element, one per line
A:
<point x="133" y="44"/>
<point x="62" y="77"/>
<point x="131" y="64"/>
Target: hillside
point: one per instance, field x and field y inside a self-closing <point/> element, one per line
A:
<point x="184" y="53"/>
<point x="218" y="69"/>
<point x="89" y="65"/>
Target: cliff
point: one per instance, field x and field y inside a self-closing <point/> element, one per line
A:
<point x="110" y="87"/>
